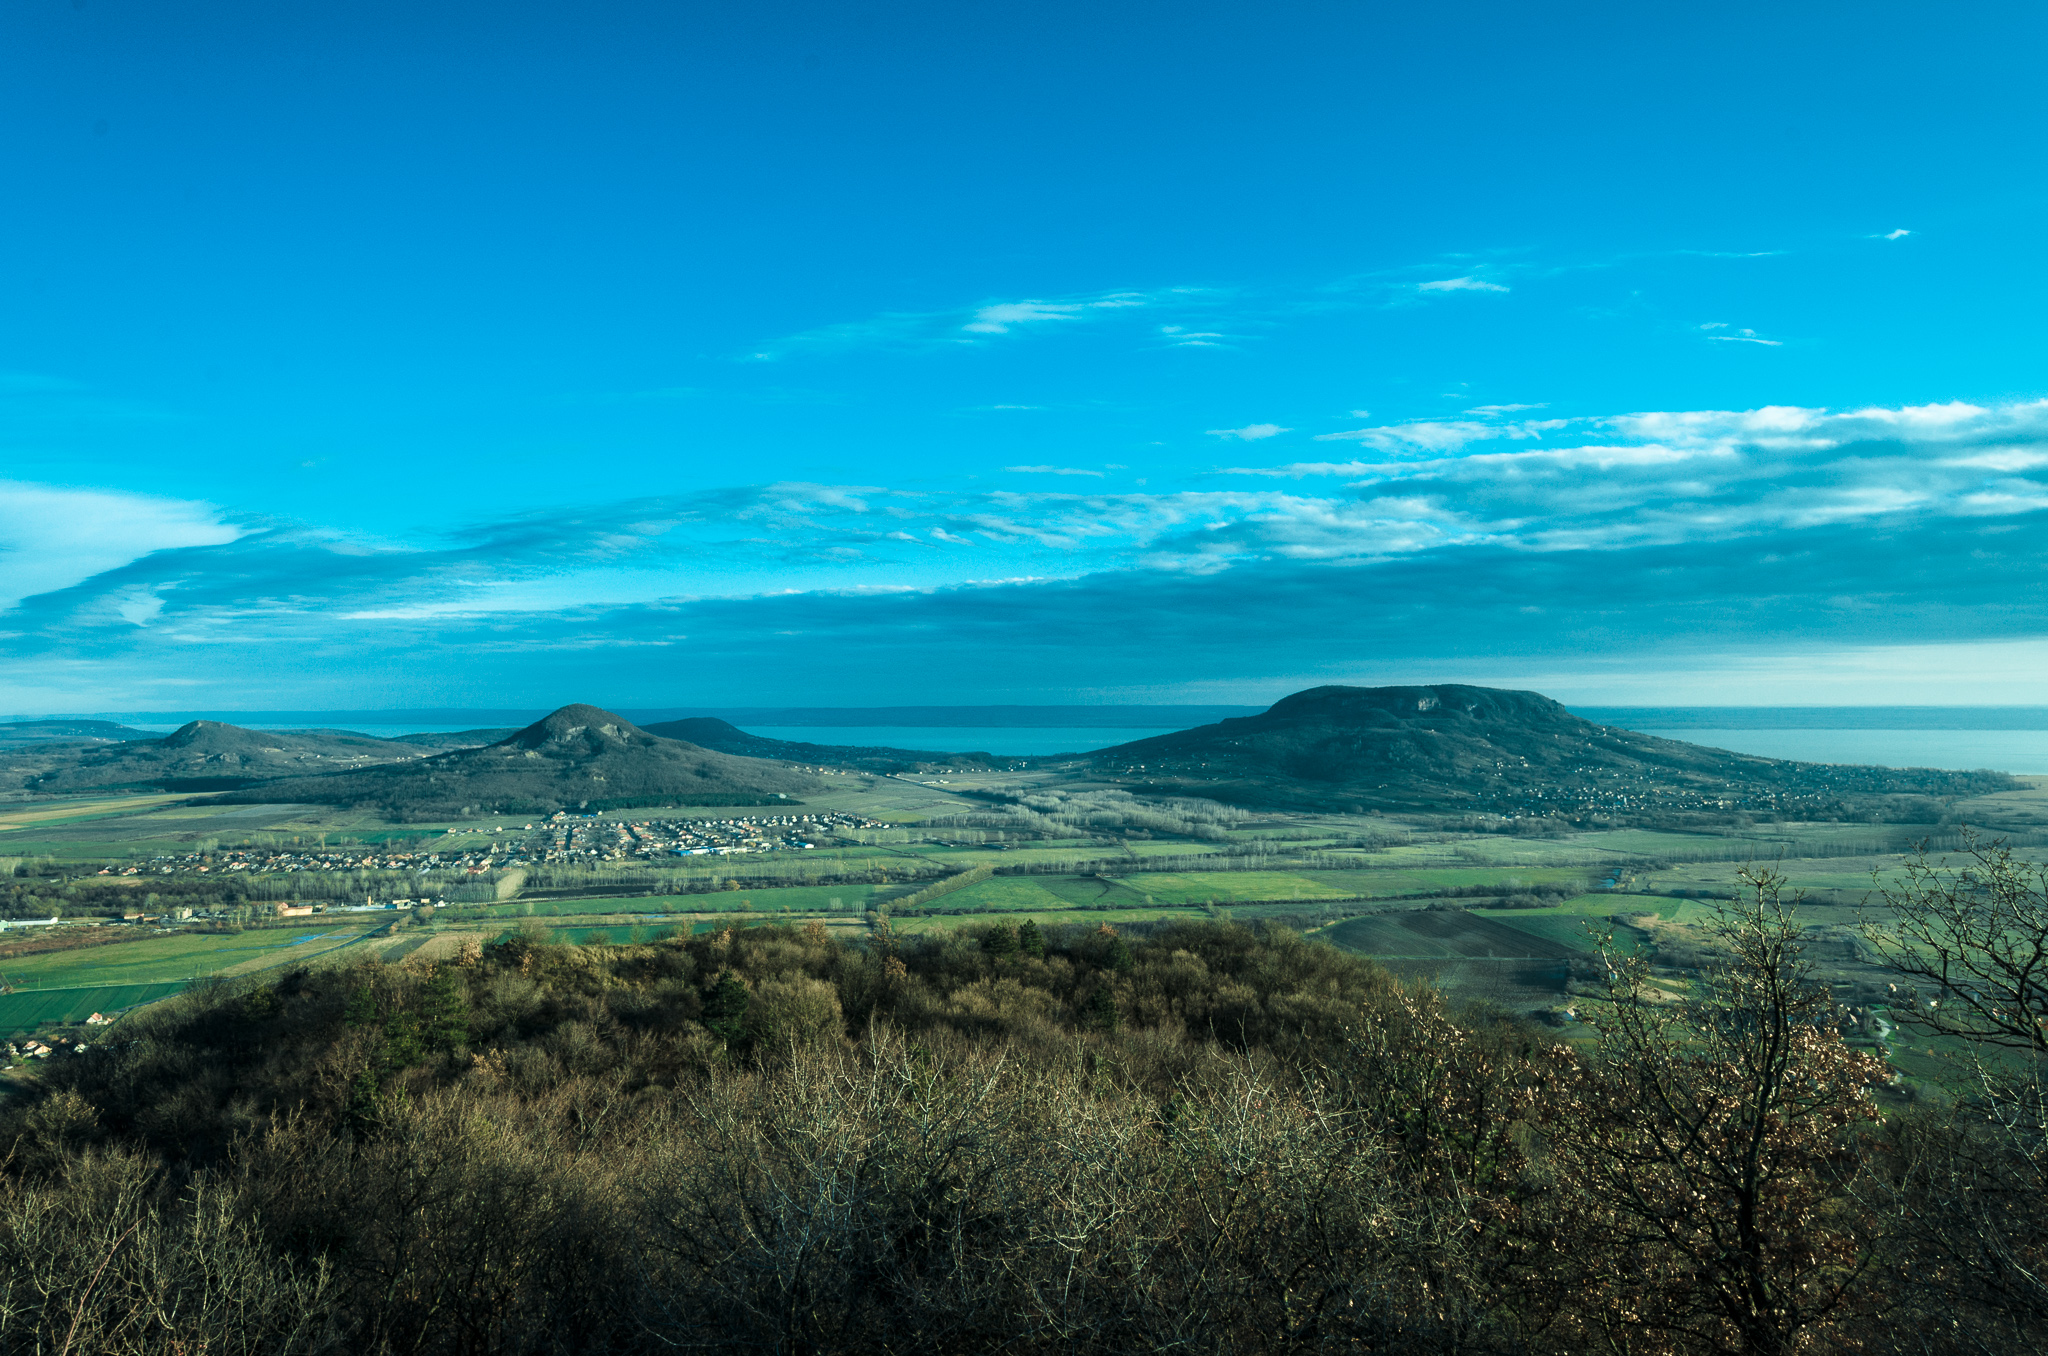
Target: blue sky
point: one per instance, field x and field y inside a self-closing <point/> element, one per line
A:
<point x="381" y="355"/>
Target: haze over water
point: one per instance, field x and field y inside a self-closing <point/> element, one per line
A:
<point x="1833" y="737"/>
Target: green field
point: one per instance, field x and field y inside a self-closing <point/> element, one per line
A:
<point x="1440" y="933"/>
<point x="178" y="956"/>
<point x="1523" y="985"/>
<point x="23" y="1011"/>
<point x="797" y="899"/>
<point x="1051" y="917"/>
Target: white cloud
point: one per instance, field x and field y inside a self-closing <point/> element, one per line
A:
<point x="1001" y="317"/>
<point x="925" y="329"/>
<point x="1899" y="234"/>
<point x="52" y="537"/>
<point x="1442" y="435"/>
<point x="1741" y="336"/>
<point x="1687" y="478"/>
<point x="1465" y="284"/>
<point x="1250" y="433"/>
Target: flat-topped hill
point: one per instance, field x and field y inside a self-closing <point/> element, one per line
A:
<point x="580" y="757"/>
<point x="1505" y="752"/>
<point x="202" y="755"/>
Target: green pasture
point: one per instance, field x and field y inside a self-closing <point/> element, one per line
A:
<point x="176" y="956"/>
<point x="1007" y="894"/>
<point x="1846" y="875"/>
<point x="1426" y="933"/>
<point x="1565" y="929"/>
<point x="1574" y="930"/>
<point x="1521" y="984"/>
<point x="626" y="936"/>
<point x="796" y="898"/>
<point x="24" y="1011"/>
<point x="64" y="1006"/>
<point x="1043" y="917"/>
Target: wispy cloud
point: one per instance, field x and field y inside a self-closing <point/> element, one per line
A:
<point x="1616" y="529"/>
<point x="1250" y="433"/>
<point x="1052" y="471"/>
<point x="1899" y="234"/>
<point x="980" y="323"/>
<point x="1440" y="435"/>
<point x="1004" y="316"/>
<point x="52" y="537"/>
<point x="1738" y="336"/>
<point x="1197" y="316"/>
<point x="1465" y="284"/>
<point x="1180" y="336"/>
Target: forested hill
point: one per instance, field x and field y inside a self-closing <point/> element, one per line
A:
<point x="580" y="757"/>
<point x="712" y="733"/>
<point x="1510" y="753"/>
<point x="203" y="755"/>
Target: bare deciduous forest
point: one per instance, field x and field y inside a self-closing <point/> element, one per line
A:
<point x="1208" y="1138"/>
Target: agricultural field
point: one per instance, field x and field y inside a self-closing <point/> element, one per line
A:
<point x="1518" y="985"/>
<point x="67" y="986"/>
<point x="176" y="956"/>
<point x="1336" y="875"/>
<point x="62" y="1007"/>
<point x="1418" y="934"/>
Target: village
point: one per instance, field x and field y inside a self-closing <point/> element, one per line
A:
<point x="560" y="839"/>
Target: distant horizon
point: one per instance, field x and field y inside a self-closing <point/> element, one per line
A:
<point x="1110" y="715"/>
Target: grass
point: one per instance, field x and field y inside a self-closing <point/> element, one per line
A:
<point x="796" y="898"/>
<point x="1523" y="985"/>
<point x="59" y="1007"/>
<point x="1043" y="916"/>
<point x="177" y="956"/>
<point x="623" y="936"/>
<point x="1440" y="933"/>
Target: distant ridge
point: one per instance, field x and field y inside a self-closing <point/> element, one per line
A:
<point x="577" y="758"/>
<point x="959" y="717"/>
<point x="23" y="733"/>
<point x="201" y="755"/>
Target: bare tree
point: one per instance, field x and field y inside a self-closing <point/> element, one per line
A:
<point x="1966" y="1180"/>
<point x="1972" y="935"/>
<point x="1704" y="1146"/>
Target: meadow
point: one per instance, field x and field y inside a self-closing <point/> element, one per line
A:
<point x="1427" y="900"/>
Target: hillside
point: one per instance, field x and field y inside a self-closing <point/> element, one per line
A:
<point x="711" y="733"/>
<point x="32" y="733"/>
<point x="1515" y="754"/>
<point x="203" y="755"/>
<point x="580" y="757"/>
<point x="441" y="741"/>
